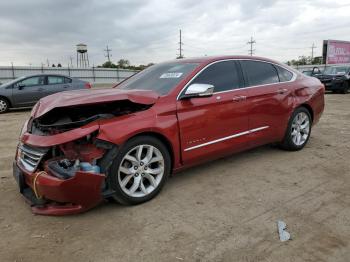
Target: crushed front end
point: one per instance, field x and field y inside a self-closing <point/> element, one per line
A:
<point x="62" y="178"/>
<point x="61" y="163"/>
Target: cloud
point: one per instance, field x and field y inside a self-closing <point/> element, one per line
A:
<point x="147" y="31"/>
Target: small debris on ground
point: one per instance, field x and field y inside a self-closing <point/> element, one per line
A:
<point x="38" y="236"/>
<point x="283" y="234"/>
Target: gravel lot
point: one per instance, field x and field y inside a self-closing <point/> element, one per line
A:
<point x="225" y="210"/>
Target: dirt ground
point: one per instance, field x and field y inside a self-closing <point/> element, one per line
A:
<point x="225" y="210"/>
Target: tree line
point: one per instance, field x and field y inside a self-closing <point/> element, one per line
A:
<point x="124" y="64"/>
<point x="305" y="60"/>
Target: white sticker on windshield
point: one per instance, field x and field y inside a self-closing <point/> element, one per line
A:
<point x="171" y="75"/>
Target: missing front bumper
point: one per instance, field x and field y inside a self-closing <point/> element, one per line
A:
<point x="57" y="196"/>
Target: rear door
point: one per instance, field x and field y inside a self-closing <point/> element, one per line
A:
<point x="270" y="98"/>
<point x="28" y="91"/>
<point x="216" y="125"/>
<point x="56" y="84"/>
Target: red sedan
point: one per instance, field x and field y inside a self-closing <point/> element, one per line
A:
<point x="81" y="147"/>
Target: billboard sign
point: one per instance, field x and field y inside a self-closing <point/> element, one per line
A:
<point x="337" y="52"/>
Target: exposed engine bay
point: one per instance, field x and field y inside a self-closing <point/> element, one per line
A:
<point x="63" y="161"/>
<point x="61" y="119"/>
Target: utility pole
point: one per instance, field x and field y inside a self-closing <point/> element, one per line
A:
<point x="71" y="61"/>
<point x="180" y="47"/>
<point x="312" y="51"/>
<point x="47" y="62"/>
<point x="251" y="43"/>
<point x="108" y="55"/>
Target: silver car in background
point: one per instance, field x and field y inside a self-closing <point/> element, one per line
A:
<point x="27" y="90"/>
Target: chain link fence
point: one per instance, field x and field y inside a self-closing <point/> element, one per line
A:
<point x="95" y="75"/>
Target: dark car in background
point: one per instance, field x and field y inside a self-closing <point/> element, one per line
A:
<point x="336" y="78"/>
<point x="27" y="90"/>
<point x="311" y="72"/>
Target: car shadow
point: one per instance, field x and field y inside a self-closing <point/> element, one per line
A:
<point x="193" y="173"/>
<point x="19" y="109"/>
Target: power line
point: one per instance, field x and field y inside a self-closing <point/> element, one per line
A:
<point x="180" y="47"/>
<point x="251" y="43"/>
<point x="108" y="55"/>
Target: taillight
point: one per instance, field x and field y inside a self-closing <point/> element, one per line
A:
<point x="87" y="85"/>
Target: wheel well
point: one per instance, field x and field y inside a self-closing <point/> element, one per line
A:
<point x="8" y="100"/>
<point x="164" y="140"/>
<point x="309" y="108"/>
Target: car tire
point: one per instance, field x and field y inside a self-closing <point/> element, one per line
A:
<point x="4" y="105"/>
<point x="345" y="89"/>
<point x="139" y="171"/>
<point x="298" y="131"/>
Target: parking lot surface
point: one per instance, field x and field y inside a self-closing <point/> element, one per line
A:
<point x="225" y="210"/>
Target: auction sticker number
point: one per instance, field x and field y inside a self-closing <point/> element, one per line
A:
<point x="171" y="75"/>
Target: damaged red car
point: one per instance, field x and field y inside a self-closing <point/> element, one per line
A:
<point x="79" y="148"/>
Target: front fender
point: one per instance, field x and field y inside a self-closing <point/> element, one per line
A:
<point x="119" y="131"/>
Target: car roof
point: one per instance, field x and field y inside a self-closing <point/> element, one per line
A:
<point x="44" y="74"/>
<point x="210" y="59"/>
<point x="338" y="65"/>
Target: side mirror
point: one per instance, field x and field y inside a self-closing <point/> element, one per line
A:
<point x="199" y="90"/>
<point x="20" y="86"/>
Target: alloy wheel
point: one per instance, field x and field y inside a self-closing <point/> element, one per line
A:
<point x="141" y="170"/>
<point x="300" y="128"/>
<point x="3" y="106"/>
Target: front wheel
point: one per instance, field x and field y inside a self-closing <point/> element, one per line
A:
<point x="140" y="170"/>
<point x="298" y="130"/>
<point x="4" y="105"/>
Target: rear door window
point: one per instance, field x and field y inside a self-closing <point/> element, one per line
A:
<point x="259" y="73"/>
<point x="285" y="75"/>
<point x="223" y="76"/>
<point x="54" y="80"/>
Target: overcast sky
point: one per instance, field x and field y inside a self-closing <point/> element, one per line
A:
<point x="144" y="31"/>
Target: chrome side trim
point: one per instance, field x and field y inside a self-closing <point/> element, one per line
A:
<point x="227" y="137"/>
<point x="236" y="89"/>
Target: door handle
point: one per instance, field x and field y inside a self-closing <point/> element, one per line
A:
<point x="281" y="91"/>
<point x="236" y="99"/>
<point x="40" y="89"/>
<point x="239" y="98"/>
<point x="65" y="86"/>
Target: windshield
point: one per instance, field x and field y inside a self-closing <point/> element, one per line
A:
<point x="12" y="81"/>
<point x="160" y="78"/>
<point x="339" y="70"/>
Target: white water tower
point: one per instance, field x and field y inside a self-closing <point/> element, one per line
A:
<point x="82" y="56"/>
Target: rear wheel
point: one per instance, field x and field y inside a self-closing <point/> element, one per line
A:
<point x="4" y="105"/>
<point x="298" y="130"/>
<point x="140" y="170"/>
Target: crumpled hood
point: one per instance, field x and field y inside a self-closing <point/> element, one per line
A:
<point x="92" y="96"/>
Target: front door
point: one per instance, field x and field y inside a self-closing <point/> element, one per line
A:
<point x="214" y="126"/>
<point x="28" y="91"/>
